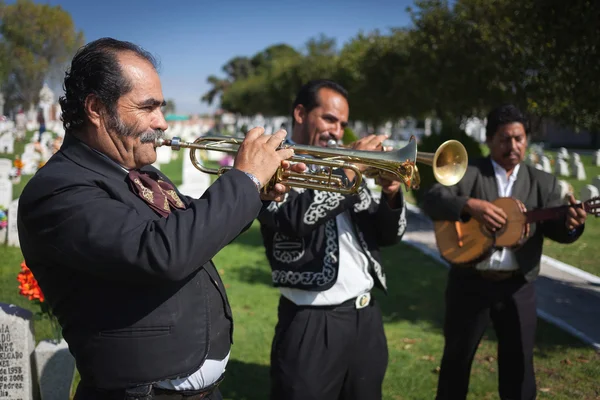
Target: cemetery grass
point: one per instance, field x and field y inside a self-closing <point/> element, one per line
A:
<point x="413" y="315"/>
<point x="580" y="254"/>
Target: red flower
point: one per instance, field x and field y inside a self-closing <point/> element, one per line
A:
<point x="29" y="286"/>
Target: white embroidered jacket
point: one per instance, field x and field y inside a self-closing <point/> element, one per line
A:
<point x="301" y="237"/>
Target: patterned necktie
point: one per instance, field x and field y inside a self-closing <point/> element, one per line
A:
<point x="159" y="195"/>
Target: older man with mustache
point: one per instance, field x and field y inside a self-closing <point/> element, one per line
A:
<point x="123" y="258"/>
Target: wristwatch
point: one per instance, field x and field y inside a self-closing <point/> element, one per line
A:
<point x="254" y="179"/>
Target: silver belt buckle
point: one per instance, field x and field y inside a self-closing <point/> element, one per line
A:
<point x="362" y="301"/>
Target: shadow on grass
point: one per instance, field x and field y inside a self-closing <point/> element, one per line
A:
<point x="416" y="285"/>
<point x="245" y="381"/>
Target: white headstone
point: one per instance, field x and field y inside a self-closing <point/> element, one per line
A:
<point x="579" y="171"/>
<point x="596" y="182"/>
<point x="562" y="168"/>
<point x="55" y="369"/>
<point x="588" y="191"/>
<point x="597" y="158"/>
<point x="539" y="166"/>
<point x="6" y="192"/>
<point x="163" y="154"/>
<point x="13" y="230"/>
<point x="546" y="165"/>
<point x="5" y="168"/>
<point x="17" y="345"/>
<point x="575" y="159"/>
<point x="563" y="154"/>
<point x="194" y="182"/>
<point x="565" y="189"/>
<point x="7" y="143"/>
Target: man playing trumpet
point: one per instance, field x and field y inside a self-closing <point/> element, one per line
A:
<point x="323" y="248"/>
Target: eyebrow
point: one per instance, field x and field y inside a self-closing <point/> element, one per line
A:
<point x="328" y="115"/>
<point x="153" y="102"/>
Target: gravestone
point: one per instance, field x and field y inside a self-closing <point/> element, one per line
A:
<point x="575" y="159"/>
<point x="596" y="182"/>
<point x="18" y="379"/>
<point x="588" y="191"/>
<point x="596" y="158"/>
<point x="7" y="143"/>
<point x="55" y="369"/>
<point x="13" y="230"/>
<point x="565" y="189"/>
<point x="579" y="171"/>
<point x="5" y="168"/>
<point x="562" y="168"/>
<point x="6" y="192"/>
<point x="546" y="165"/>
<point x="194" y="182"/>
<point x="562" y="154"/>
<point x="539" y="166"/>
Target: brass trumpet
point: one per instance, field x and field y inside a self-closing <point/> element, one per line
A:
<point x="449" y="163"/>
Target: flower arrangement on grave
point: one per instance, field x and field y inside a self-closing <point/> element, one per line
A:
<point x="18" y="164"/>
<point x="29" y="287"/>
<point x="3" y="219"/>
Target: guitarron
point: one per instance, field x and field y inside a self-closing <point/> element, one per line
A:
<point x="468" y="242"/>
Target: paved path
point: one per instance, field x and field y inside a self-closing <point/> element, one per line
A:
<point x="567" y="296"/>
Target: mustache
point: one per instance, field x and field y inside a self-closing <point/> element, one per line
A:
<point x="509" y="153"/>
<point x="152" y="135"/>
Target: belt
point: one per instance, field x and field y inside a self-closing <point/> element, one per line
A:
<point x="492" y="275"/>
<point x="148" y="392"/>
<point x="362" y="301"/>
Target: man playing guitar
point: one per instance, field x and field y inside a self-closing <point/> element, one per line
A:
<point x="499" y="287"/>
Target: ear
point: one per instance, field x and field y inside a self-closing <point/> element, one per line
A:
<point x="299" y="114"/>
<point x="94" y="110"/>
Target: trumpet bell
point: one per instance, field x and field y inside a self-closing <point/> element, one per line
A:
<point x="449" y="162"/>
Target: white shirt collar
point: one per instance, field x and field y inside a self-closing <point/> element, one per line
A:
<point x="502" y="172"/>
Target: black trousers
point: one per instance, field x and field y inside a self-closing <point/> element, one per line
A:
<point x="471" y="302"/>
<point x="321" y="353"/>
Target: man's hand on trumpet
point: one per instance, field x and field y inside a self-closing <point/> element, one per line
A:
<point x="277" y="193"/>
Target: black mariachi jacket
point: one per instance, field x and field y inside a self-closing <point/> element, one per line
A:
<point x="301" y="237"/>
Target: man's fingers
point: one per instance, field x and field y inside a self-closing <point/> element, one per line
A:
<point x="284" y="154"/>
<point x="276" y="138"/>
<point x="255" y="133"/>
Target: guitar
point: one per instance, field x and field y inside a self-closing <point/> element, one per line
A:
<point x="467" y="242"/>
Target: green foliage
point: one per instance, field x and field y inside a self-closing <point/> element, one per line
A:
<point x="430" y="144"/>
<point x="40" y="39"/>
<point x="349" y="136"/>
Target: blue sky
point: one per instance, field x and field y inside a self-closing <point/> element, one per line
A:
<point x="193" y="39"/>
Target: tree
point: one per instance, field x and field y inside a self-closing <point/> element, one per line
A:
<point x="169" y="107"/>
<point x="40" y="39"/>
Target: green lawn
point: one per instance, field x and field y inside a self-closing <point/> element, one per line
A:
<point x="413" y="311"/>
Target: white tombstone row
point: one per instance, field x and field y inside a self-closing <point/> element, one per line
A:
<point x="596" y="158"/>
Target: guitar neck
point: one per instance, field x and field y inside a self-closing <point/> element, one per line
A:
<point x="545" y="214"/>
